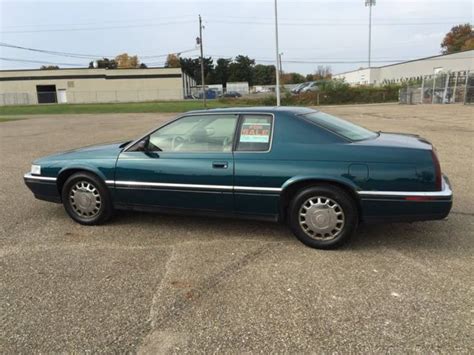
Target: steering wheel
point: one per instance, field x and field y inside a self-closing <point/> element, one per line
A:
<point x="176" y="141"/>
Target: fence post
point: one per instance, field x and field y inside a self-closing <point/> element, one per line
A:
<point x="317" y="98"/>
<point x="455" y="87"/>
<point x="433" y="92"/>
<point x="422" y="89"/>
<point x="465" y="86"/>
<point x="445" y="88"/>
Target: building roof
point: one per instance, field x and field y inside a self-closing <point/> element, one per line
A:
<point x="440" y="56"/>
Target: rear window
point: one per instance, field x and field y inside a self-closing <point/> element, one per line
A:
<point x="341" y="127"/>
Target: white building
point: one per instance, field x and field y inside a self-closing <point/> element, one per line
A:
<point x="412" y="69"/>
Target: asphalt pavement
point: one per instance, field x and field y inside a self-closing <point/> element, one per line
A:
<point x="153" y="283"/>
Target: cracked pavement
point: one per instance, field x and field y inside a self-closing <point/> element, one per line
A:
<point x="152" y="283"/>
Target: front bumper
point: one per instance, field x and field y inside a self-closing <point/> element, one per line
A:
<point x="43" y="187"/>
<point x="401" y="206"/>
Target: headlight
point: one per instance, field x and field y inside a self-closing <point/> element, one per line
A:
<point x="36" y="169"/>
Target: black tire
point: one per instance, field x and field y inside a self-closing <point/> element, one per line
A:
<point x="327" y="194"/>
<point x="97" y="199"/>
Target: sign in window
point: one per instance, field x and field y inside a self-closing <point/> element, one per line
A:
<point x="255" y="133"/>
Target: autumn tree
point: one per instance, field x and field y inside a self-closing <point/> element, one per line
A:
<point x="172" y="61"/>
<point x="460" y="38"/>
<point x="322" y="73"/>
<point x="124" y="60"/>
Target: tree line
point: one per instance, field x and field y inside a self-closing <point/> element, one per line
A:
<point x="240" y="68"/>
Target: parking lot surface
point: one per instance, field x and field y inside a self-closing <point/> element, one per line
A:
<point x="147" y="283"/>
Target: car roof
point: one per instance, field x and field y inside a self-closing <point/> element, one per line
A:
<point x="259" y="109"/>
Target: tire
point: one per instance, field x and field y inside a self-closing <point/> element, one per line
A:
<point x="86" y="199"/>
<point x="323" y="217"/>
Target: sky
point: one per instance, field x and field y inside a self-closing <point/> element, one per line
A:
<point x="311" y="33"/>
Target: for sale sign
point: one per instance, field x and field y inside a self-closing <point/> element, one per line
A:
<point x="255" y="133"/>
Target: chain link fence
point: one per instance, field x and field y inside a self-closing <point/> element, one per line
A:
<point x="443" y="88"/>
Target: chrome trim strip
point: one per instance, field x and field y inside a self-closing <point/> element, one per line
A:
<point x="253" y="188"/>
<point x="37" y="177"/>
<point x="195" y="186"/>
<point x="445" y="192"/>
<point x="109" y="182"/>
<point x="163" y="184"/>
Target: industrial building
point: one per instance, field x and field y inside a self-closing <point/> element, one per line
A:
<point x="461" y="62"/>
<point x="26" y="87"/>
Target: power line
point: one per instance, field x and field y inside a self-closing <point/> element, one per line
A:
<point x="84" y="56"/>
<point x="99" y="28"/>
<point x="20" y="60"/>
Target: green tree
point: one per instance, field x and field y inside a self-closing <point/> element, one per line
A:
<point x="460" y="38"/>
<point x="49" y="67"/>
<point x="104" y="63"/>
<point x="264" y="75"/>
<point x="242" y="69"/>
<point x="222" y="71"/>
<point x="192" y="67"/>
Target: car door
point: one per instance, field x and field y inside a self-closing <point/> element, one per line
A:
<point x="186" y="164"/>
<point x="256" y="184"/>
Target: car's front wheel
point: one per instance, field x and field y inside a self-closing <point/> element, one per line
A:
<point x="86" y="199"/>
<point x="323" y="217"/>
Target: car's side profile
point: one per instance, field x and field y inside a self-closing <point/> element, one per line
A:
<point x="320" y="174"/>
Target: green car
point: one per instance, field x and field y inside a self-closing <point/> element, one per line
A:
<point x="321" y="175"/>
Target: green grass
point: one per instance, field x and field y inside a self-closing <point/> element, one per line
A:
<point x="6" y="118"/>
<point x="135" y="107"/>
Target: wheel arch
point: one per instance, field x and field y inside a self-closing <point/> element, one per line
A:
<point x="292" y="186"/>
<point x="66" y="172"/>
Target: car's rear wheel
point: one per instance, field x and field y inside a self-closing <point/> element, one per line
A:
<point x="323" y="217"/>
<point x="86" y="199"/>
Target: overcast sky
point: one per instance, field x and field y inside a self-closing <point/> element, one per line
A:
<point x="311" y="32"/>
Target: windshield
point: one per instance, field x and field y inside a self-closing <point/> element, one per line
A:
<point x="343" y="128"/>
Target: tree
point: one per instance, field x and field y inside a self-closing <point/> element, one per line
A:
<point x="460" y="38"/>
<point x="192" y="67"/>
<point x="126" y="61"/>
<point x="322" y="73"/>
<point x="104" y="63"/>
<point x="264" y="75"/>
<point x="241" y="69"/>
<point x="49" y="67"/>
<point x="143" y="66"/>
<point x="172" y="61"/>
<point x="222" y="72"/>
<point x="293" y="78"/>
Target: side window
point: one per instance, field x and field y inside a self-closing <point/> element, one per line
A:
<point x="255" y="133"/>
<point x="203" y="133"/>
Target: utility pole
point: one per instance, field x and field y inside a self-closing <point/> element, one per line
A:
<point x="281" y="65"/>
<point x="370" y="3"/>
<point x="278" y="65"/>
<point x="203" y="84"/>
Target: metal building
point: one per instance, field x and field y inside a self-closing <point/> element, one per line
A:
<point x="25" y="87"/>
<point x="410" y="70"/>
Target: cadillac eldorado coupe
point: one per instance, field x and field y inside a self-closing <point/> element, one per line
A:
<point x="319" y="174"/>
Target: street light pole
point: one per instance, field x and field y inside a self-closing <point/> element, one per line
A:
<point x="278" y="65"/>
<point x="370" y="3"/>
<point x="203" y="84"/>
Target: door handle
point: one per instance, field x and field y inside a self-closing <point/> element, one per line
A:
<point x="220" y="164"/>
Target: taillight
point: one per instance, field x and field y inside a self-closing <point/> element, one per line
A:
<point x="437" y="168"/>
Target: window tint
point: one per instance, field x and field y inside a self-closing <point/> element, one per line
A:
<point x="255" y="133"/>
<point x="204" y="133"/>
<point x="337" y="125"/>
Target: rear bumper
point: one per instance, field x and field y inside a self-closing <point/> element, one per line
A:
<point x="400" y="206"/>
<point x="44" y="188"/>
